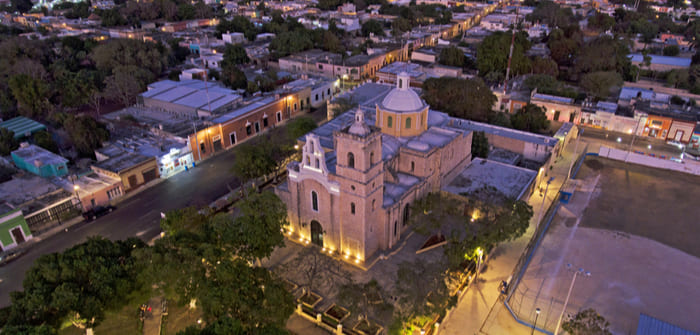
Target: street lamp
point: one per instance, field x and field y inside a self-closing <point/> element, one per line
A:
<point x="543" y="200"/>
<point x="580" y="271"/>
<point x="77" y="195"/>
<point x="537" y="310"/>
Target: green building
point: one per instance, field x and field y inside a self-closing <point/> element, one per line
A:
<point x="13" y="228"/>
<point x="22" y="126"/>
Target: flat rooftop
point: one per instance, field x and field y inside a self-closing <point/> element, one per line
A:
<point x="511" y="181"/>
<point x="37" y="155"/>
<point x="505" y="132"/>
<point x="122" y="162"/>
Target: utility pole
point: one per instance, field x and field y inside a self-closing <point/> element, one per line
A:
<point x="196" y="139"/>
<point x="512" y="44"/>
<point x="629" y="150"/>
<point x="580" y="271"/>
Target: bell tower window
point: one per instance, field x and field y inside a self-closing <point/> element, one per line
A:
<point x="314" y="201"/>
<point x="371" y="158"/>
<point x="351" y="160"/>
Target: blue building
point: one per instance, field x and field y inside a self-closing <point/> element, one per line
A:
<point x="22" y="126"/>
<point x="39" y="161"/>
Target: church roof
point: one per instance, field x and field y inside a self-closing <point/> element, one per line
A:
<point x="402" y="100"/>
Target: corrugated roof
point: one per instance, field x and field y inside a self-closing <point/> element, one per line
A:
<point x="662" y="60"/>
<point x="652" y="326"/>
<point x="22" y="126"/>
<point x="244" y="110"/>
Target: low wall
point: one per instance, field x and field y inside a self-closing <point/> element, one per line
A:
<point x="688" y="166"/>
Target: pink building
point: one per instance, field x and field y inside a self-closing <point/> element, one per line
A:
<point x="352" y="192"/>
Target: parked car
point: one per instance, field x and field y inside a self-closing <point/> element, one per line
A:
<point x="9" y="256"/>
<point x="97" y="211"/>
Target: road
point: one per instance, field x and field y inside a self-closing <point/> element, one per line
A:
<point x="136" y="216"/>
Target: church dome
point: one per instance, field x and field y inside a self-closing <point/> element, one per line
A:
<point x="402" y="98"/>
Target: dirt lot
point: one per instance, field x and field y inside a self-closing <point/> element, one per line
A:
<point x="630" y="273"/>
<point x="657" y="204"/>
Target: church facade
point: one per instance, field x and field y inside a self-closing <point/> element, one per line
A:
<point x="352" y="191"/>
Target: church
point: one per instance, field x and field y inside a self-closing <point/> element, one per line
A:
<point x="352" y="191"/>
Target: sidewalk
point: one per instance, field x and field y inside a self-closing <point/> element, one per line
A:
<point x="482" y="300"/>
<point x="152" y="321"/>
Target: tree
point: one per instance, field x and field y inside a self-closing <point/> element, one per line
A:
<point x="252" y="295"/>
<point x="530" y="118"/>
<point x="188" y="219"/>
<point x="564" y="47"/>
<point x="421" y="287"/>
<point x="78" y="284"/>
<point x="599" y="84"/>
<point x="400" y="25"/>
<point x="230" y="326"/>
<point x="44" y="140"/>
<point x="31" y="94"/>
<point x="364" y="299"/>
<point x="253" y="161"/>
<point x="552" y="14"/>
<point x="341" y="105"/>
<point x="671" y="50"/>
<point x="299" y="127"/>
<point x="290" y="42"/>
<point x="603" y="54"/>
<point x="316" y="271"/>
<point x="601" y="21"/>
<point x="452" y="56"/>
<point x="463" y="98"/>
<point x="587" y="322"/>
<point x="126" y="83"/>
<point x="372" y="27"/>
<point x="233" y="77"/>
<point x="256" y="230"/>
<point x="480" y="145"/>
<point x="548" y="66"/>
<point x="493" y="52"/>
<point x="234" y="54"/>
<point x="85" y="133"/>
<point x="21" y="6"/>
<point x="8" y="143"/>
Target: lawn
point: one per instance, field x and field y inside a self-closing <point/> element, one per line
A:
<point x="653" y="203"/>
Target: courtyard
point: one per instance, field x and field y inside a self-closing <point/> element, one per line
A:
<point x="633" y="228"/>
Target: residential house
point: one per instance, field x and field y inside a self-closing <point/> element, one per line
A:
<point x="39" y="161"/>
<point x="13" y="228"/>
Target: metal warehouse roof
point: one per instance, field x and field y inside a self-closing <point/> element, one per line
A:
<point x="652" y="326"/>
<point x="662" y="60"/>
<point x="22" y="126"/>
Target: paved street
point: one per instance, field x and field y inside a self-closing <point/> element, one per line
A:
<point x="136" y="216"/>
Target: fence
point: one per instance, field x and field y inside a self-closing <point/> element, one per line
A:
<point x="687" y="166"/>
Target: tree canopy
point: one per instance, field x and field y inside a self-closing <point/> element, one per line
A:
<point x="464" y="98"/>
<point x="531" y="118"/>
<point x="78" y="284"/>
<point x="493" y="52"/>
<point x="452" y="56"/>
<point x="587" y="322"/>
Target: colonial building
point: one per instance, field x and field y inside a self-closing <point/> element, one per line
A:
<point x="353" y="189"/>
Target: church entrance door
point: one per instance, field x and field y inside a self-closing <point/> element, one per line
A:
<point x="316" y="233"/>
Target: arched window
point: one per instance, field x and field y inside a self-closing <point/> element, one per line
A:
<point x="373" y="203"/>
<point x="314" y="200"/>
<point x="413" y="166"/>
<point x="318" y="164"/>
<point x="352" y="208"/>
<point x="389" y="121"/>
<point x="396" y="225"/>
<point x="408" y="123"/>
<point x="351" y="160"/>
<point x="400" y="83"/>
<point x="308" y="161"/>
<point x="371" y="158"/>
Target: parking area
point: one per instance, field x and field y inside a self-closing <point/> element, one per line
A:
<point x="633" y="228"/>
